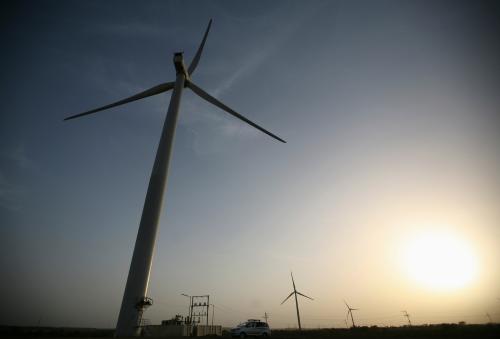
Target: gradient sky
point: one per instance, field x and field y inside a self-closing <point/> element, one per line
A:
<point x="390" y="110"/>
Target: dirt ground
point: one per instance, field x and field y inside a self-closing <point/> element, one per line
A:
<point x="414" y="332"/>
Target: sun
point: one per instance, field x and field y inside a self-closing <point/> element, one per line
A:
<point x="440" y="260"/>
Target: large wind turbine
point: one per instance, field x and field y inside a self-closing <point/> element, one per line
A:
<point x="134" y="298"/>
<point x="295" y="292"/>
<point x="349" y="311"/>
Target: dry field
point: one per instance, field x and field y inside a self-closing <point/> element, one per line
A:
<point x="415" y="332"/>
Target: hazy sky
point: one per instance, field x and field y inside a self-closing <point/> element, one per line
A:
<point x="391" y="113"/>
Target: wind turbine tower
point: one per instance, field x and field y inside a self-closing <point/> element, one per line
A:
<point x="134" y="298"/>
<point x="349" y="312"/>
<point x="405" y="314"/>
<point x="295" y="292"/>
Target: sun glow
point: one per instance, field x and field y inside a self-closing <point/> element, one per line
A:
<point x="440" y="261"/>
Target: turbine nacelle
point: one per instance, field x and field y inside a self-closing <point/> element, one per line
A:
<point x="180" y="68"/>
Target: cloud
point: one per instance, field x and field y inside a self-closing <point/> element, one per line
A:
<point x="239" y="68"/>
<point x="208" y="127"/>
<point x="249" y="66"/>
<point x="18" y="157"/>
<point x="10" y="194"/>
<point x="134" y="29"/>
<point x="266" y="45"/>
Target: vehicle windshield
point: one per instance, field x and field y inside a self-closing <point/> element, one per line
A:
<point x="252" y="324"/>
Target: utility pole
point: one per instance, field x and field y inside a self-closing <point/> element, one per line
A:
<point x="407" y="317"/>
<point x="189" y="305"/>
<point x="213" y="310"/>
<point x="266" y="316"/>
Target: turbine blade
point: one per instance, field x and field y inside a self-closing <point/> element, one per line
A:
<point x="293" y="281"/>
<point x="287" y="298"/>
<point x="345" y="302"/>
<point x="197" y="56"/>
<point x="305" y="296"/>
<point x="144" y="94"/>
<point x="219" y="104"/>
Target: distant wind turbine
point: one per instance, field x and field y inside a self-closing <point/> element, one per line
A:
<point x="405" y="314"/>
<point x="489" y="317"/>
<point x="295" y="292"/>
<point x="134" y="299"/>
<point x="349" y="312"/>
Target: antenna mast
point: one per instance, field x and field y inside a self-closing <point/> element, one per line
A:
<point x="407" y="317"/>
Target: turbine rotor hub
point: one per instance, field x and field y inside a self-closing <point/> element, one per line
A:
<point x="180" y="68"/>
